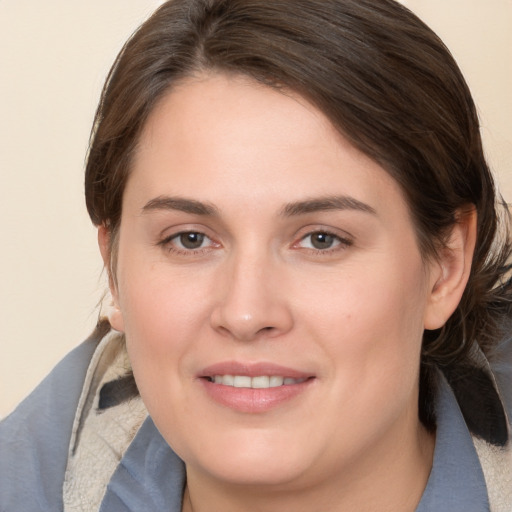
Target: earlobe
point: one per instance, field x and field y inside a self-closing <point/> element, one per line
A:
<point x="449" y="273"/>
<point x="114" y="313"/>
<point x="115" y="317"/>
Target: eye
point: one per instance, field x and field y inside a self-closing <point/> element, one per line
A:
<point x="323" y="241"/>
<point x="187" y="241"/>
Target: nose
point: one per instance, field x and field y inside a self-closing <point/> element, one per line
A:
<point x="252" y="301"/>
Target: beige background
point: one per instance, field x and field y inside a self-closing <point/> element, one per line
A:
<point x="54" y="56"/>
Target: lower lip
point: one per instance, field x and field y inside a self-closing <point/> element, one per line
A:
<point x="251" y="400"/>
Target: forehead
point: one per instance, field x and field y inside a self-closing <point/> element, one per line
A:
<point x="229" y="137"/>
<point x="219" y="110"/>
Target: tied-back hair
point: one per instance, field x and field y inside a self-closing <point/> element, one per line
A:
<point x="391" y="87"/>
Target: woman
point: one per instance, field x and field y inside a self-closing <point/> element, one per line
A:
<point x="310" y="300"/>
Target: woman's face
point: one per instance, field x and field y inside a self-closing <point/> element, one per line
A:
<point x="270" y="286"/>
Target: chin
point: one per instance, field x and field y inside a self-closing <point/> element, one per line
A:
<point x="245" y="472"/>
<point x="250" y="459"/>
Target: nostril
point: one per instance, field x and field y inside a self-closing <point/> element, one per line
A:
<point x="245" y="321"/>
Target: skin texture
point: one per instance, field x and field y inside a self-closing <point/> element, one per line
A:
<point x="258" y="289"/>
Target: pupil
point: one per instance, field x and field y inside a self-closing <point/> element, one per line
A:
<point x="322" y="240"/>
<point x="191" y="240"/>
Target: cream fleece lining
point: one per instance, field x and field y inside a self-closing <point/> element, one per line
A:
<point x="100" y="437"/>
<point x="496" y="464"/>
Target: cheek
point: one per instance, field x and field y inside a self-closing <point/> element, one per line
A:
<point x="156" y="300"/>
<point x="163" y="314"/>
<point x="161" y="324"/>
<point x="374" y="304"/>
<point x="371" y="326"/>
<point x="371" y="332"/>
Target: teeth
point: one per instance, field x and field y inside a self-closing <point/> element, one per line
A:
<point x="241" y="381"/>
<point x="228" y="380"/>
<point x="259" y="382"/>
<point x="276" y="381"/>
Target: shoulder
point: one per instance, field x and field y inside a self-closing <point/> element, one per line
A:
<point x="34" y="439"/>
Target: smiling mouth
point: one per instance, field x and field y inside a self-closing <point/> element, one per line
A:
<point x="254" y="388"/>
<point x="257" y="382"/>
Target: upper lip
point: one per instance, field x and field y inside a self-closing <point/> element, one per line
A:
<point x="252" y="370"/>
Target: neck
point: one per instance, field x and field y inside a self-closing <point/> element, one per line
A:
<point x="384" y="480"/>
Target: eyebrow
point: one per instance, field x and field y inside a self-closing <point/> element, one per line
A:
<point x="323" y="204"/>
<point x="195" y="207"/>
<point x="180" y="204"/>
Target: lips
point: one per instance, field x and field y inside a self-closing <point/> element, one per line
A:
<point x="253" y="370"/>
<point x="253" y="388"/>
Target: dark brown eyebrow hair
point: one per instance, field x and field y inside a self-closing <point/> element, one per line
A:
<point x="291" y="209"/>
<point x="180" y="204"/>
<point x="326" y="204"/>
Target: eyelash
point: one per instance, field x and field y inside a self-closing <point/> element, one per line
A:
<point x="340" y="243"/>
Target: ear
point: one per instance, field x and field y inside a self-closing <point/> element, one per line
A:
<point x="449" y="273"/>
<point x="115" y="316"/>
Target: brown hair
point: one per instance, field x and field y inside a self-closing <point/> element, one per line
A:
<point x="382" y="77"/>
